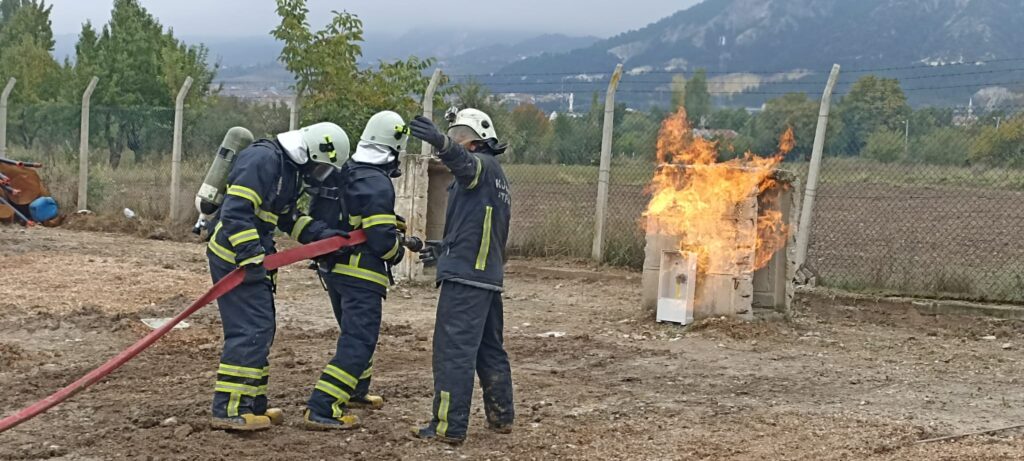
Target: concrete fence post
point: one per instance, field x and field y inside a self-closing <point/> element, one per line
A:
<point x="179" y="122"/>
<point x="803" y="236"/>
<point x="606" y="163"/>
<point x="83" y="148"/>
<point x="413" y="187"/>
<point x="293" y="112"/>
<point x="3" y="115"/>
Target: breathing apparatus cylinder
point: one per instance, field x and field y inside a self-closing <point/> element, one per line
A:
<point x="211" y="193"/>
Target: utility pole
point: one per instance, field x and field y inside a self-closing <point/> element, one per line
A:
<point x="906" y="139"/>
<point x="803" y="236"/>
<point x="606" y="163"/>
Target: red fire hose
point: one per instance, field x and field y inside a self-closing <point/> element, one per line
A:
<point x="222" y="287"/>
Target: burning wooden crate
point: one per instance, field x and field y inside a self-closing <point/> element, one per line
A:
<point x="742" y="258"/>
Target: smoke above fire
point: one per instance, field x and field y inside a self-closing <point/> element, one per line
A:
<point x="711" y="206"/>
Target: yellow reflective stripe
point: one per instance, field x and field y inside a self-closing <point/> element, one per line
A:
<point x="243" y="237"/>
<point x="341" y="375"/>
<point x="267" y="216"/>
<point x="251" y="391"/>
<point x="300" y="226"/>
<point x="479" y="169"/>
<point x="221" y="252"/>
<point x="380" y="220"/>
<point x="442" y="413"/>
<point x="393" y="251"/>
<point x="355" y="221"/>
<point x="368" y="373"/>
<point x="246" y="193"/>
<point x="241" y="372"/>
<point x="333" y="391"/>
<point x="361" y="274"/>
<point x="258" y="259"/>
<point x="485" y="241"/>
<point x="233" y="402"/>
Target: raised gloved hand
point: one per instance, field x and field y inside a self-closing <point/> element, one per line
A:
<point x="254" y="273"/>
<point x="430" y="253"/>
<point x="328" y="233"/>
<point x="424" y="129"/>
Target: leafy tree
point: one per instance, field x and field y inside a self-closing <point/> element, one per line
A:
<point x="729" y="119"/>
<point x="872" y="104"/>
<point x="697" y="99"/>
<point x="26" y="39"/>
<point x="324" y="64"/>
<point x="141" y="68"/>
<point x="535" y="128"/>
<point x="678" y="87"/>
<point x="942" y="146"/>
<point x="25" y="20"/>
<point x="885" y="146"/>
<point x="1003" y="146"/>
<point x="794" y="110"/>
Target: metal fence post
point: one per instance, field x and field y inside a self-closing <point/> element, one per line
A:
<point x="179" y="121"/>
<point x="83" y="148"/>
<point x="414" y="184"/>
<point x="3" y="115"/>
<point x="606" y="163"/>
<point x="293" y="112"/>
<point x="803" y="236"/>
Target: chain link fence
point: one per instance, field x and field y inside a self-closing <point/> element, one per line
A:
<point x="130" y="150"/>
<point x="918" y="195"/>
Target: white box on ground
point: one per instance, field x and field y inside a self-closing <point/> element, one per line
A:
<point x="677" y="287"/>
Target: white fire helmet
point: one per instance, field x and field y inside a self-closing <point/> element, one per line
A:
<point x="387" y="128"/>
<point x="472" y="125"/>
<point x="323" y="143"/>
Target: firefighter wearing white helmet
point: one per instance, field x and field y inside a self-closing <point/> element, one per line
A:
<point x="357" y="281"/>
<point x="263" y="188"/>
<point x="470" y="271"/>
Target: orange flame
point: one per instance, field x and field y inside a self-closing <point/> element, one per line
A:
<point x="713" y="206"/>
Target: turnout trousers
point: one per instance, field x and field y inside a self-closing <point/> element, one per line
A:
<point x="468" y="338"/>
<point x="357" y="307"/>
<point x="248" y="316"/>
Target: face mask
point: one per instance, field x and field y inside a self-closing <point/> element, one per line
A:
<point x="396" y="169"/>
<point x="321" y="171"/>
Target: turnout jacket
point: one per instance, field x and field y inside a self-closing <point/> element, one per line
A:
<point x="477" y="221"/>
<point x="368" y="199"/>
<point x="263" y="188"/>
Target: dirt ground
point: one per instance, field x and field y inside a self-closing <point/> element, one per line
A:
<point x="837" y="380"/>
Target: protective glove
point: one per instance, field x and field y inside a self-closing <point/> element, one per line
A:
<point x="402" y="227"/>
<point x="425" y="130"/>
<point x="398" y="257"/>
<point x="328" y="233"/>
<point x="430" y="253"/>
<point x="254" y="273"/>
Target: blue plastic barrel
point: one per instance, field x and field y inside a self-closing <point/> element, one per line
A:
<point x="43" y="209"/>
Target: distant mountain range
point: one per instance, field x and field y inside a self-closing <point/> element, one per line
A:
<point x="752" y="49"/>
<point x="797" y="40"/>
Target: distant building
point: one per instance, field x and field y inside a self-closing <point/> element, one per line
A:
<point x="716" y="134"/>
<point x="968" y="119"/>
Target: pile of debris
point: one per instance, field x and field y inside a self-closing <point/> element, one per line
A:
<point x="23" y="197"/>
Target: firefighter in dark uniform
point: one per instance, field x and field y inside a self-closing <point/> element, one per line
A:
<point x="263" y="187"/>
<point x="470" y="271"/>
<point x="357" y="280"/>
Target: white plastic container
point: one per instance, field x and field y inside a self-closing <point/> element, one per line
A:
<point x="677" y="287"/>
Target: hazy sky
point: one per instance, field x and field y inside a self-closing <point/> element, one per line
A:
<point x="256" y="17"/>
